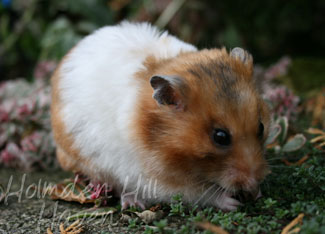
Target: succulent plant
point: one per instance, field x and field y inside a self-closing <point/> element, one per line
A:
<point x="26" y="141"/>
<point x="278" y="137"/>
<point x="282" y="101"/>
<point x="2" y="193"/>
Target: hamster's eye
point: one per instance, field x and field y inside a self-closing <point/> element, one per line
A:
<point x="260" y="133"/>
<point x="221" y="137"/>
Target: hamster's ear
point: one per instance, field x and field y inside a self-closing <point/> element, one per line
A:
<point x="169" y="90"/>
<point x="242" y="55"/>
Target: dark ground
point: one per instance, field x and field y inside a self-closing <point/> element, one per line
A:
<point x="26" y="210"/>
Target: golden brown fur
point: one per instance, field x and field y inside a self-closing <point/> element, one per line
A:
<point x="221" y="93"/>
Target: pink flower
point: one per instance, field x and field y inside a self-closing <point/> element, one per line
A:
<point x="44" y="68"/>
<point x="283" y="101"/>
<point x="44" y="98"/>
<point x="6" y="157"/>
<point x="2" y="88"/>
<point x="6" y="108"/>
<point x="95" y="195"/>
<point x="98" y="189"/>
<point x="26" y="108"/>
<point x="10" y="153"/>
<point x="31" y="142"/>
<point x="3" y="136"/>
<point x="278" y="69"/>
<point x="4" y="115"/>
<point x="22" y="104"/>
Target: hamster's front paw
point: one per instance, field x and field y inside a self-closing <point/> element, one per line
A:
<point x="226" y="202"/>
<point x="129" y="200"/>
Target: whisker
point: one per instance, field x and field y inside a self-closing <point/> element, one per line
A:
<point x="205" y="193"/>
<point x="215" y="192"/>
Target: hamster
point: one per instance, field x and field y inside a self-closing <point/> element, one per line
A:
<point x="154" y="116"/>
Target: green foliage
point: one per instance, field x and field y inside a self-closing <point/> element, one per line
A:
<point x="36" y="30"/>
<point x="306" y="75"/>
<point x="58" y="39"/>
<point x="287" y="192"/>
<point x="161" y="224"/>
<point x="314" y="225"/>
<point x="268" y="203"/>
<point x="45" y="30"/>
<point x="133" y="223"/>
<point x="177" y="207"/>
<point x="149" y="230"/>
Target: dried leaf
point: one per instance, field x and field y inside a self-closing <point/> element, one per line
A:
<point x="315" y="131"/>
<point x="295" y="230"/>
<point x="320" y="140"/>
<point x="316" y="139"/>
<point x="62" y="231"/>
<point x="68" y="192"/>
<point x="148" y="216"/>
<point x="92" y="213"/>
<point x="74" y="190"/>
<point x="286" y="229"/>
<point x="155" y="208"/>
<point x="321" y="145"/>
<point x="302" y="160"/>
<point x="298" y="163"/>
<point x="274" y="145"/>
<point x="294" y="143"/>
<point x="125" y="218"/>
<point x="286" y="162"/>
<point x="316" y="106"/>
<point x="211" y="227"/>
<point x="74" y="228"/>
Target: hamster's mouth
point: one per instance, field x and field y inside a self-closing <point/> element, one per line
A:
<point x="245" y="196"/>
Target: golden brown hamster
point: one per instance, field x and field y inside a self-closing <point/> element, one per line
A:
<point x="154" y="117"/>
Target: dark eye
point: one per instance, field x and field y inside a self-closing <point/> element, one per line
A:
<point x="260" y="133"/>
<point x="221" y="137"/>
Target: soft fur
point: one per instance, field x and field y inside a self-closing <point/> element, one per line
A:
<point x="109" y="125"/>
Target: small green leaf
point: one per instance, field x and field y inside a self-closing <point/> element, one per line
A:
<point x="283" y="122"/>
<point x="274" y="133"/>
<point x="2" y="193"/>
<point x="294" y="143"/>
<point x="161" y="224"/>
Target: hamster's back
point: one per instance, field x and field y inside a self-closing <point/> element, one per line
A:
<point x="97" y="90"/>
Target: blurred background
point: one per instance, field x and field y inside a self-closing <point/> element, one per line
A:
<point x="34" y="31"/>
<point x="286" y="39"/>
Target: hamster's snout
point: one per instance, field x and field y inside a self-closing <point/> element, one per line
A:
<point x="244" y="196"/>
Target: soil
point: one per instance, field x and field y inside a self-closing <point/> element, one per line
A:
<point x="25" y="209"/>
